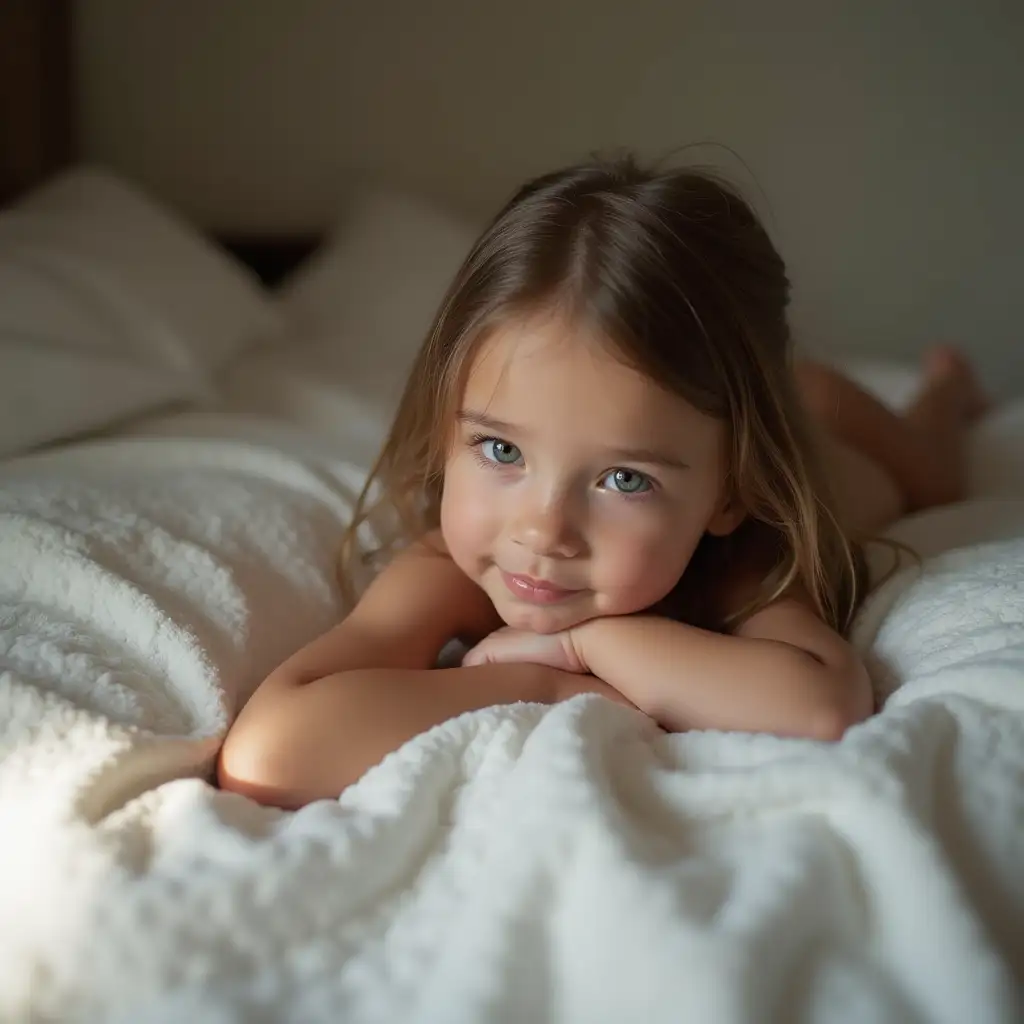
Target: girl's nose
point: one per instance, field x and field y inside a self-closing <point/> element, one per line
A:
<point x="547" y="529"/>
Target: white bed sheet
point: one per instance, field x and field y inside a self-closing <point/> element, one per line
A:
<point x="565" y="864"/>
<point x="334" y="391"/>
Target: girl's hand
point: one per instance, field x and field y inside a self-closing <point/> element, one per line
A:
<point x="556" y="650"/>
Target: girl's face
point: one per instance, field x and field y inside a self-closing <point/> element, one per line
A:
<point x="575" y="487"/>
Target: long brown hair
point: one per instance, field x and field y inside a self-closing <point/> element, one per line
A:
<point x="674" y="268"/>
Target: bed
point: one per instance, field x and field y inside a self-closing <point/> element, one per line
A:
<point x="181" y="449"/>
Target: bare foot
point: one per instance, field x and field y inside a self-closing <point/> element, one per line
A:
<point x="947" y="369"/>
<point x="950" y="400"/>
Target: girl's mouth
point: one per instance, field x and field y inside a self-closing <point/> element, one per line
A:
<point x="536" y="591"/>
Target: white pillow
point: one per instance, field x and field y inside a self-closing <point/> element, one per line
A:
<point x="362" y="305"/>
<point x="996" y="453"/>
<point x="51" y="395"/>
<point x="110" y="305"/>
<point x="376" y="283"/>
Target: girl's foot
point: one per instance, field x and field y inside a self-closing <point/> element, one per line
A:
<point x="948" y="370"/>
<point x="951" y="399"/>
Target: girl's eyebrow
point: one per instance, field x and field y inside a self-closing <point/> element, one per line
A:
<point x="478" y="419"/>
<point x="650" y="456"/>
<point x="646" y="455"/>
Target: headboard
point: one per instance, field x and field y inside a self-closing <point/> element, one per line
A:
<point x="37" y="117"/>
<point x="38" y="121"/>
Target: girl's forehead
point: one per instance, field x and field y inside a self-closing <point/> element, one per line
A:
<point x="548" y="371"/>
<point x="541" y="348"/>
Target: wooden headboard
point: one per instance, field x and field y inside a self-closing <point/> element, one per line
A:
<point x="37" y="115"/>
<point x="39" y="122"/>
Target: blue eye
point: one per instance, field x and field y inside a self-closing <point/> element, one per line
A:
<point x="626" y="481"/>
<point x="502" y="452"/>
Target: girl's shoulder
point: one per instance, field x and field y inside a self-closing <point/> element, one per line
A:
<point x="423" y="576"/>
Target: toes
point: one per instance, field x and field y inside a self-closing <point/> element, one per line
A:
<point x="946" y="361"/>
<point x="945" y="364"/>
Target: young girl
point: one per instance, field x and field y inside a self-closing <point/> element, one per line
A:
<point x="607" y="483"/>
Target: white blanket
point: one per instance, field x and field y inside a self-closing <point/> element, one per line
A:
<point x="517" y="864"/>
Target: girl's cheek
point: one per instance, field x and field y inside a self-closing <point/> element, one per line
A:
<point x="644" y="563"/>
<point x="466" y="512"/>
<point x="451" y="505"/>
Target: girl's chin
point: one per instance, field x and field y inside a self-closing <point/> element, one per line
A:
<point x="540" y="619"/>
<point x="555" y="617"/>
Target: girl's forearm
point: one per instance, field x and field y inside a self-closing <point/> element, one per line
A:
<point x="689" y="678"/>
<point x="295" y="743"/>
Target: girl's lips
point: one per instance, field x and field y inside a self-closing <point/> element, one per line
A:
<point x="537" y="591"/>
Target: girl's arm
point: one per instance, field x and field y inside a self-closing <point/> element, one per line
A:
<point x="336" y="707"/>
<point x="783" y="671"/>
<point x="313" y="739"/>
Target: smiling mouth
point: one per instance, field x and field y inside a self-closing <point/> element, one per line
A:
<point x="536" y="591"/>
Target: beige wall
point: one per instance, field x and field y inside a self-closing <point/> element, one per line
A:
<point x="885" y="134"/>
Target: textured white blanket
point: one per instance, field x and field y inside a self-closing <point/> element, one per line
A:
<point x="517" y="864"/>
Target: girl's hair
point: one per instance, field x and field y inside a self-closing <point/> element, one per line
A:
<point x="674" y="269"/>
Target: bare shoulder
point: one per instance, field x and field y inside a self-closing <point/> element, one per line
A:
<point x="791" y="618"/>
<point x="422" y="585"/>
<point x="418" y="603"/>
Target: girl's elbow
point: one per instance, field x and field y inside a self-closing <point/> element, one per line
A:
<point x="256" y="759"/>
<point x="298" y="741"/>
<point x="831" y="723"/>
<point x="248" y="765"/>
<point x="850" y="701"/>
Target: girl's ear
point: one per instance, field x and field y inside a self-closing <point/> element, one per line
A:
<point x="729" y="514"/>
